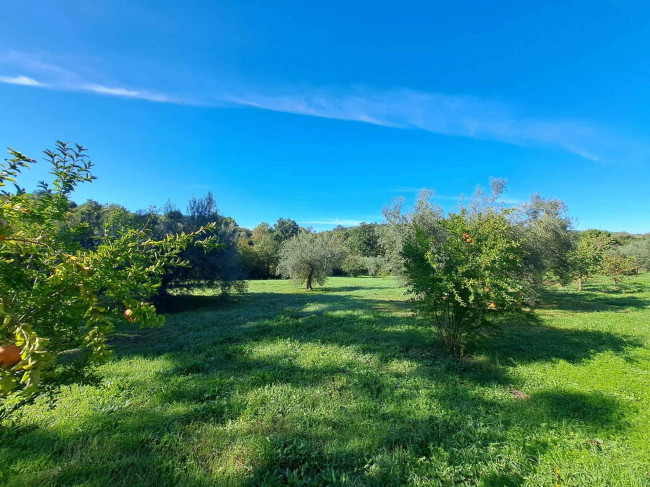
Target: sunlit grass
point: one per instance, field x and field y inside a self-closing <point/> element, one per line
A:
<point x="345" y="386"/>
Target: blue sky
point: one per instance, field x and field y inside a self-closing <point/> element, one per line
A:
<point x="325" y="111"/>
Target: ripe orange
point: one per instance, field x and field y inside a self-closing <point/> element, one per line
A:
<point x="9" y="355"/>
<point x="492" y="305"/>
<point x="469" y="240"/>
<point x="128" y="314"/>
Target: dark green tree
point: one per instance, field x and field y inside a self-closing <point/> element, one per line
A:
<point x="284" y="229"/>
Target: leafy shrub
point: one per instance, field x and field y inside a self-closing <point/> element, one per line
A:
<point x="467" y="270"/>
<point x="58" y="300"/>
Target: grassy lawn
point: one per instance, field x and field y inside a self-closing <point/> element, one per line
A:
<point x="345" y="386"/>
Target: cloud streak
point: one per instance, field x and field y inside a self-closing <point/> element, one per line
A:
<point x="137" y="94"/>
<point x="62" y="79"/>
<point x="452" y="115"/>
<point x="98" y="89"/>
<point x="21" y="80"/>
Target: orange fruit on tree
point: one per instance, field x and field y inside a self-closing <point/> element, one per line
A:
<point x="9" y="355"/>
<point x="128" y="314"/>
<point x="469" y="240"/>
<point x="492" y="305"/>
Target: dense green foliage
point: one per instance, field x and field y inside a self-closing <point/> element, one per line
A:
<point x="469" y="268"/>
<point x="218" y="267"/>
<point x="59" y="300"/>
<point x="481" y="260"/>
<point x="260" y="248"/>
<point x="363" y="240"/>
<point x="639" y="250"/>
<point x="344" y="386"/>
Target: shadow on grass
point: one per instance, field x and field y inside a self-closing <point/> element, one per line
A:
<point x="524" y="338"/>
<point x="383" y="328"/>
<point x="590" y="409"/>
<point x="588" y="301"/>
<point x="397" y="407"/>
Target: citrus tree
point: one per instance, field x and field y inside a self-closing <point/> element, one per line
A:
<point x="467" y="270"/>
<point x="58" y="300"/>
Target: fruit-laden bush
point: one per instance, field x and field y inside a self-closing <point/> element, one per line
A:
<point x="309" y="257"/>
<point x="486" y="258"/>
<point x="58" y="300"/>
<point x="469" y="271"/>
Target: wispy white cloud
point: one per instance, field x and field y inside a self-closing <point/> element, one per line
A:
<point x="104" y="90"/>
<point x="63" y="79"/>
<point x="98" y="89"/>
<point x="446" y="114"/>
<point x="21" y="80"/>
<point x="455" y="115"/>
<point x="128" y="93"/>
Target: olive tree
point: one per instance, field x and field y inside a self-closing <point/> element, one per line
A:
<point x="639" y="250"/>
<point x="216" y="267"/>
<point x="545" y="229"/>
<point x="309" y="257"/>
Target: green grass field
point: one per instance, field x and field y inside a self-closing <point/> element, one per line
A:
<point x="345" y="386"/>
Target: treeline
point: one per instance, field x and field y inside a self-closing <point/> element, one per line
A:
<point x="241" y="254"/>
<point x="367" y="249"/>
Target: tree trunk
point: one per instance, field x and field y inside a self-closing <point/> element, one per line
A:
<point x="580" y="284"/>
<point x="309" y="281"/>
